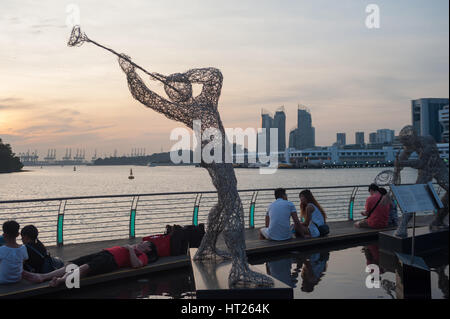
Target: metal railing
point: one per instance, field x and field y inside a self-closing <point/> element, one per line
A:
<point x="69" y="220"/>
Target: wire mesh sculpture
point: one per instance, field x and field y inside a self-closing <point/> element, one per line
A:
<point x="429" y="165"/>
<point x="226" y="217"/>
<point x="385" y="177"/>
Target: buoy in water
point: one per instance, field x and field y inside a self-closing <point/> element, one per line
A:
<point x="131" y="174"/>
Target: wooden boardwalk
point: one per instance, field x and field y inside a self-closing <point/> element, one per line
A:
<point x="342" y="231"/>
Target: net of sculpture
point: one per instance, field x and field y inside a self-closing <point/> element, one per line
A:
<point x="226" y="216"/>
<point x="429" y="165"/>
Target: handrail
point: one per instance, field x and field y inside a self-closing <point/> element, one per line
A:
<point x="172" y="193"/>
<point x="90" y="218"/>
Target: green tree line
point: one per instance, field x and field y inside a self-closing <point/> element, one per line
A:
<point x="8" y="161"/>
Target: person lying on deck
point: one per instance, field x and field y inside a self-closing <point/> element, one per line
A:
<point x="278" y="216"/>
<point x="107" y="260"/>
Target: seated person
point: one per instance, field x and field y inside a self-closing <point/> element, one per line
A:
<point x="12" y="255"/>
<point x="312" y="213"/>
<point x="107" y="260"/>
<point x="37" y="252"/>
<point x="377" y="210"/>
<point x="278" y="216"/>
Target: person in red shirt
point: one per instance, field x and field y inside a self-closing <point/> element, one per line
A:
<point x="107" y="260"/>
<point x="376" y="210"/>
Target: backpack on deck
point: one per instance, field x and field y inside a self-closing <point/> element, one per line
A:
<point x="49" y="263"/>
<point x="185" y="237"/>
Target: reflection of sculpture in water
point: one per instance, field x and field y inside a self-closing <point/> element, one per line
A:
<point x="442" y="280"/>
<point x="429" y="165"/>
<point x="227" y="215"/>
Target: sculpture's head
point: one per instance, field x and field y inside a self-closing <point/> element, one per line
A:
<point x="182" y="85"/>
<point x="408" y="135"/>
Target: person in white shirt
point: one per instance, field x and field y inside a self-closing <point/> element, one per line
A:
<point x="279" y="213"/>
<point x="12" y="255"/>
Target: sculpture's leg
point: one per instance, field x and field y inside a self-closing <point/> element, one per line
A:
<point x="207" y="249"/>
<point x="240" y="273"/>
<point x="442" y="179"/>
<point x="438" y="221"/>
<point x="402" y="230"/>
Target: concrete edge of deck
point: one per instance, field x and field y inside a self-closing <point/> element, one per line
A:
<point x="254" y="247"/>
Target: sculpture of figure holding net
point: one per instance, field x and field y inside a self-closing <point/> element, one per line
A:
<point x="429" y="165"/>
<point x="227" y="215"/>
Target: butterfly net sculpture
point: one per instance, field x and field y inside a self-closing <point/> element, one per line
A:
<point x="226" y="216"/>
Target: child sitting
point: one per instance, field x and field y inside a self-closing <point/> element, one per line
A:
<point x="12" y="255"/>
<point x="39" y="259"/>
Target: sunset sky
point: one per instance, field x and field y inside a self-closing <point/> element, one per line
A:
<point x="271" y="53"/>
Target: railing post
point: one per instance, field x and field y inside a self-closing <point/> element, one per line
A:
<point x="60" y="224"/>
<point x="132" y="228"/>
<point x="196" y="209"/>
<point x="352" y="203"/>
<point x="252" y="210"/>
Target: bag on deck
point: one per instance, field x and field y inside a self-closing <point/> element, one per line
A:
<point x="323" y="229"/>
<point x="49" y="263"/>
<point x="185" y="237"/>
<point x="195" y="234"/>
<point x="162" y="243"/>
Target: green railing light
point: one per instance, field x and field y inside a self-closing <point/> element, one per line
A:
<point x="133" y="223"/>
<point x="350" y="211"/>
<point x="60" y="238"/>
<point x="252" y="215"/>
<point x="195" y="216"/>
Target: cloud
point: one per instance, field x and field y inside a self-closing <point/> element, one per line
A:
<point x="13" y="103"/>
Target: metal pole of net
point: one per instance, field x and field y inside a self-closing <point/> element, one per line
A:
<point x="78" y="37"/>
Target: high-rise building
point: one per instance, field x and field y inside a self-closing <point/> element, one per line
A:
<point x="425" y="116"/>
<point x="359" y="138"/>
<point x="443" y="120"/>
<point x="305" y="133"/>
<point x="340" y="139"/>
<point x="266" y="123"/>
<point x="385" y="136"/>
<point x="373" y="138"/>
<point x="279" y="122"/>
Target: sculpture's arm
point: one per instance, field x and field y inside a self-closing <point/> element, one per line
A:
<point x="402" y="160"/>
<point x="149" y="98"/>
<point x="211" y="78"/>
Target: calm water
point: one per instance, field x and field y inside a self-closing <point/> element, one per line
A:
<point x="57" y="181"/>
<point x="333" y="273"/>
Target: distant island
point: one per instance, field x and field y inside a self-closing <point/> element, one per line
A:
<point x="154" y="159"/>
<point x="8" y="161"/>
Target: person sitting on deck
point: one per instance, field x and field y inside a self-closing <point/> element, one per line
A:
<point x="377" y="210"/>
<point x="107" y="260"/>
<point x="312" y="213"/>
<point x="12" y="255"/>
<point x="278" y="216"/>
<point x="39" y="259"/>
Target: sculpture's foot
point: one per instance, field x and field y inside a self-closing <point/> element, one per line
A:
<point x="438" y="225"/>
<point x="402" y="233"/>
<point x="212" y="255"/>
<point x="243" y="277"/>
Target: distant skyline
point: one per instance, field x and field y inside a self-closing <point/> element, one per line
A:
<point x="316" y="53"/>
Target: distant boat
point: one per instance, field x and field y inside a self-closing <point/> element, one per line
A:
<point x="131" y="174"/>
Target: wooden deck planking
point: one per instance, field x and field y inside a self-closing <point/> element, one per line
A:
<point x="339" y="231"/>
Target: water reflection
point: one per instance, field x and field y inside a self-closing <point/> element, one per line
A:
<point x="339" y="271"/>
<point x="310" y="267"/>
<point x="176" y="284"/>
